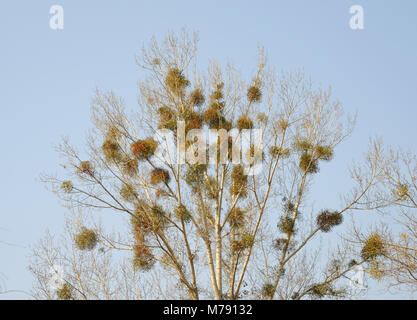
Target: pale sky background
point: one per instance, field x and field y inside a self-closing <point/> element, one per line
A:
<point x="47" y="79"/>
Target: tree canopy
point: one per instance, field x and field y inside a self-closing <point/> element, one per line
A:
<point x="201" y="229"/>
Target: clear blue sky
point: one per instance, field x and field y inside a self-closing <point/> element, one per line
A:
<point x="47" y="80"/>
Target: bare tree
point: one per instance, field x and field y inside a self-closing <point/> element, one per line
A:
<point x="390" y="249"/>
<point x="67" y="272"/>
<point x="206" y="230"/>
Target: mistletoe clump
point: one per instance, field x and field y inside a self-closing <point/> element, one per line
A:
<point x="143" y="263"/>
<point x="277" y="151"/>
<point x="182" y="213"/>
<point x="64" y="293"/>
<point x="326" y="220"/>
<point x="239" y="182"/>
<point x="211" y="187"/>
<point x="308" y="164"/>
<point x="274" y="151"/>
<point x="218" y="92"/>
<point x="147" y="217"/>
<point x="267" y="290"/>
<point x="286" y="224"/>
<point x="289" y="206"/>
<point x="144" y="149"/>
<point x="86" y="168"/>
<point x="196" y="98"/>
<point x="142" y="256"/>
<point x="130" y="166"/>
<point x="244" y="122"/>
<point x="237" y="218"/>
<point x="324" y="153"/>
<point x="141" y="221"/>
<point x="176" y="81"/>
<point x="141" y="250"/>
<point x="86" y="239"/>
<point x="246" y="241"/>
<point x="254" y="94"/>
<point x="193" y="120"/>
<point x="128" y="193"/>
<point x="311" y="155"/>
<point x="167" y="118"/>
<point x="159" y="175"/>
<point x="374" y="246"/>
<point x="213" y="116"/>
<point x="401" y="192"/>
<point x="111" y="150"/>
<point x="323" y="289"/>
<point x="194" y="175"/>
<point x="303" y="145"/>
<point x="67" y="186"/>
<point x="158" y="212"/>
<point x="143" y="259"/>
